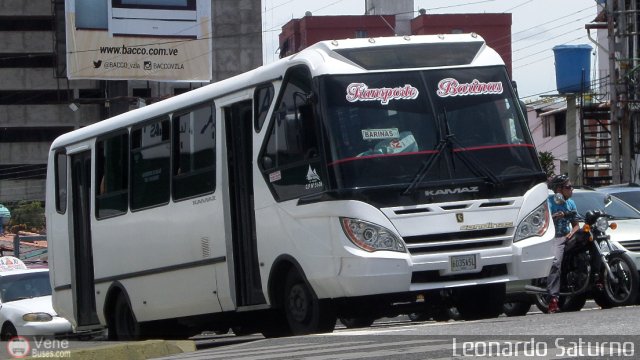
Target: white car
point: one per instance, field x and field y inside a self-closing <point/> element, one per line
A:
<point x="25" y="302"/>
<point x="627" y="218"/>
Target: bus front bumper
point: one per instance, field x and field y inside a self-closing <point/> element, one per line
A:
<point x="360" y="276"/>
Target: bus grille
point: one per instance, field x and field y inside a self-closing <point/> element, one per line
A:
<point x="459" y="241"/>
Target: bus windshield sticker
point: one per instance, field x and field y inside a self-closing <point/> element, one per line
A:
<point x="452" y="87"/>
<point x="377" y="134"/>
<point x="361" y="92"/>
<point x="313" y="180"/>
<point x="275" y="176"/>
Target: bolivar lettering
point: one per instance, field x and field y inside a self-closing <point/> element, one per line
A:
<point x="361" y="92"/>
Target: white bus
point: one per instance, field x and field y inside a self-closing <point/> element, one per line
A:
<point x="356" y="179"/>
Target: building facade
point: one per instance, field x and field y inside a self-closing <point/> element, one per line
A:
<point x="385" y="18"/>
<point x="38" y="103"/>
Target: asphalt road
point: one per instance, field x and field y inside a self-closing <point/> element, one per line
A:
<point x="590" y="333"/>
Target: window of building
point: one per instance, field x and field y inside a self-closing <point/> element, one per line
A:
<point x="141" y="92"/>
<point x="32" y="134"/>
<point x="178" y="91"/>
<point x="27" y="60"/>
<point x="26" y="23"/>
<point x="546" y="126"/>
<point x="38" y="97"/>
<point x="554" y="124"/>
<point x="261" y="102"/>
<point x="361" y="34"/>
<point x="112" y="179"/>
<point x="23" y="172"/>
<point x="560" y="123"/>
<point x="150" y="152"/>
<point x="61" y="182"/>
<point x="194" y="152"/>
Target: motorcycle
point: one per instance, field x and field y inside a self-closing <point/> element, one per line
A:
<point x="592" y="266"/>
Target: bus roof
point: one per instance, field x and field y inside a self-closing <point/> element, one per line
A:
<point x="347" y="56"/>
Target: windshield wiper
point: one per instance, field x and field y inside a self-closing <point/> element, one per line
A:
<point x="469" y="160"/>
<point x="427" y="165"/>
<point x="474" y="165"/>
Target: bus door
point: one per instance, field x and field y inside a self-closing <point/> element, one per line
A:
<point x="83" y="284"/>
<point x="239" y="137"/>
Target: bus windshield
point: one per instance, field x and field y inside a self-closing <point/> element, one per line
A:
<point x="437" y="125"/>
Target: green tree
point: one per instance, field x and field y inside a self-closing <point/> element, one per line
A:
<point x="29" y="213"/>
<point x="546" y="160"/>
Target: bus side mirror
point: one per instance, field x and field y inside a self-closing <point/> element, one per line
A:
<point x="267" y="162"/>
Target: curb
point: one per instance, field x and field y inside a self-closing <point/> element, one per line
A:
<point x="134" y="350"/>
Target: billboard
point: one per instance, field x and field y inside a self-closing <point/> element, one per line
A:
<point x="162" y="40"/>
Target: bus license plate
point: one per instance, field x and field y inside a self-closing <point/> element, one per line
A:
<point x="463" y="262"/>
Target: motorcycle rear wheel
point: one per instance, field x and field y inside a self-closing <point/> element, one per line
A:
<point x="565" y="303"/>
<point x="625" y="291"/>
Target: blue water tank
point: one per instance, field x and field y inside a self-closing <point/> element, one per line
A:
<point x="573" y="68"/>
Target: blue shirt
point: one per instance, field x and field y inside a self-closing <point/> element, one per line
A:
<point x="562" y="225"/>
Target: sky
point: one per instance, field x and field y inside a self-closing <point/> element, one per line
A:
<point x="537" y="26"/>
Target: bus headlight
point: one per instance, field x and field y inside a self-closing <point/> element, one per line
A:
<point x="534" y="224"/>
<point x="371" y="237"/>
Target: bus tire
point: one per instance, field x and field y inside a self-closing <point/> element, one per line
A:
<point x="305" y="313"/>
<point x="125" y="325"/>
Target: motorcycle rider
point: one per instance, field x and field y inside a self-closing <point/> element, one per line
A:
<point x="566" y="225"/>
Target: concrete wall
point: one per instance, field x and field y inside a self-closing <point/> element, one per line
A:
<point x="25" y="7"/>
<point x="22" y="190"/>
<point x="22" y="42"/>
<point x="48" y="115"/>
<point x="237" y="37"/>
<point x="24" y="153"/>
<point x="403" y="9"/>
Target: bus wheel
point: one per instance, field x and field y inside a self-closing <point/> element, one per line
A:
<point x="303" y="311"/>
<point x="124" y="322"/>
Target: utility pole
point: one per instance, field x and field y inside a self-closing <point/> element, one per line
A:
<point x="613" y="95"/>
<point x="623" y="97"/>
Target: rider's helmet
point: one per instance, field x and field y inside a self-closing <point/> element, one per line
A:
<point x="557" y="180"/>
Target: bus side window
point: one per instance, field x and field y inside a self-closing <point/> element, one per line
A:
<point x="61" y="182"/>
<point x="293" y="133"/>
<point x="263" y="98"/>
<point x="112" y="178"/>
<point x="150" y="153"/>
<point x="194" y="150"/>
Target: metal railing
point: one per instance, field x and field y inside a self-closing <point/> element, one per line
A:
<point x="17" y="239"/>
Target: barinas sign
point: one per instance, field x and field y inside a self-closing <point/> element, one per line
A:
<point x="450" y="191"/>
<point x="452" y="87"/>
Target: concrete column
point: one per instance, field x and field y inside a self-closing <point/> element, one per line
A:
<point x="572" y="140"/>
